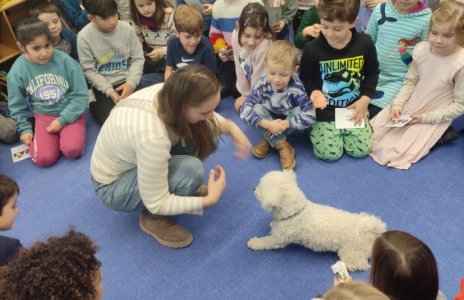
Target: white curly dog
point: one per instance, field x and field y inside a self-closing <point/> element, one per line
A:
<point x="297" y="220"/>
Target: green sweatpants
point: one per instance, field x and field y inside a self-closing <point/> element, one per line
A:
<point x="329" y="142"/>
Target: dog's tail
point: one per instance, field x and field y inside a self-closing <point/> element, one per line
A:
<point x="372" y="225"/>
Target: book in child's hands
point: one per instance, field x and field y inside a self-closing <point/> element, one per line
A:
<point x="399" y="122"/>
<point x="344" y="119"/>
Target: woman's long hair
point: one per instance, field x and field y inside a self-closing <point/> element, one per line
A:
<point x="190" y="86"/>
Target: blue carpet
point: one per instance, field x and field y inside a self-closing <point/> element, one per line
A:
<point x="425" y="200"/>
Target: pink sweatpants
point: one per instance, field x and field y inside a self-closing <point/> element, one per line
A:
<point x="46" y="147"/>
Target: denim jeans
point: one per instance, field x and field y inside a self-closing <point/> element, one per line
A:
<point x="264" y="113"/>
<point x="185" y="175"/>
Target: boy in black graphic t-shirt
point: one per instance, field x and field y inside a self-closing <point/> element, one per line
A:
<point x="339" y="69"/>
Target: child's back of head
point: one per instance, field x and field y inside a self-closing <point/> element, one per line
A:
<point x="58" y="268"/>
<point x="354" y="290"/>
<point x="188" y="19"/>
<point x="281" y="53"/>
<point x="101" y="8"/>
<point x="341" y="10"/>
<point x="400" y="264"/>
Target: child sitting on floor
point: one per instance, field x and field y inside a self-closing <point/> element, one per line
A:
<point x="62" y="37"/>
<point x="433" y="104"/>
<point x="339" y="69"/>
<point x="189" y="45"/>
<point x="278" y="104"/>
<point x="52" y="84"/>
<point x="110" y="55"/>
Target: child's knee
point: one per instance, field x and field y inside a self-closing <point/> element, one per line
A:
<point x="327" y="154"/>
<point x="359" y="151"/>
<point x="45" y="159"/>
<point x="72" y="151"/>
<point x="359" y="147"/>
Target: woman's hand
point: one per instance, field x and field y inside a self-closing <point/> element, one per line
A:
<point x="318" y="99"/>
<point x="26" y="138"/>
<point x="360" y="108"/>
<point x="216" y="186"/>
<point x="242" y="143"/>
<point x="54" y="126"/>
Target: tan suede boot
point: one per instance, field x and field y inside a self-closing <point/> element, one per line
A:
<point x="261" y="149"/>
<point x="286" y="152"/>
<point x="165" y="231"/>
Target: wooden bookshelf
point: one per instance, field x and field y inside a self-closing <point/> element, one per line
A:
<point x="11" y="13"/>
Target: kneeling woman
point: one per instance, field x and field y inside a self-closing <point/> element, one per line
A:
<point x="150" y="150"/>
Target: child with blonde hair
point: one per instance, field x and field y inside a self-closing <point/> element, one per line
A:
<point x="278" y="104"/>
<point x="433" y="104"/>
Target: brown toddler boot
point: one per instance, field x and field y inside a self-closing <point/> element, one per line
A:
<point x="286" y="152"/>
<point x="261" y="149"/>
<point x="165" y="231"/>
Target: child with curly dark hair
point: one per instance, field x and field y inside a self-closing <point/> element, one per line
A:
<point x="58" y="268"/>
<point x="9" y="191"/>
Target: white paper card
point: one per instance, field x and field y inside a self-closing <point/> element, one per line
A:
<point x="344" y="119"/>
<point x="400" y="122"/>
<point x="20" y="152"/>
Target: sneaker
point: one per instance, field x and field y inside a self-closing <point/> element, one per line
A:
<point x="261" y="149"/>
<point x="287" y="154"/>
<point x="165" y="231"/>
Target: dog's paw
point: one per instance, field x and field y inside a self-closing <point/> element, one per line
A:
<point x="255" y="244"/>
